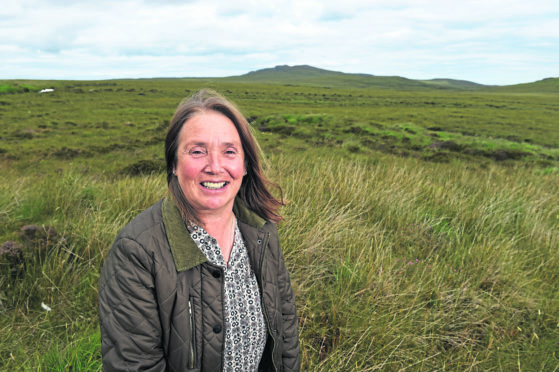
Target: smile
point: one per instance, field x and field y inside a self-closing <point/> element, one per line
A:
<point x="213" y="185"/>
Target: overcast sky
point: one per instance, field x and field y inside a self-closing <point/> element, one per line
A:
<point x="486" y="41"/>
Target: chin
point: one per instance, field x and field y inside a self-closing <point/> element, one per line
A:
<point x="216" y="205"/>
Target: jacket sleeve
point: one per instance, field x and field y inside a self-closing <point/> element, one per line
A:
<point x="128" y="314"/>
<point x="291" y="358"/>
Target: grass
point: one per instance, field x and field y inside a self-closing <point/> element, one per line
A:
<point x="86" y="213"/>
<point x="17" y="87"/>
<point x="424" y="269"/>
<point x="405" y="254"/>
<point x="81" y="355"/>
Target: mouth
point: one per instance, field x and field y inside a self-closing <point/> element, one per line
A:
<point x="214" y="185"/>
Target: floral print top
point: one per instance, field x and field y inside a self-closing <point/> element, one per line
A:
<point x="245" y="327"/>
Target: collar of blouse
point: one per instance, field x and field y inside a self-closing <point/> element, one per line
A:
<point x="185" y="252"/>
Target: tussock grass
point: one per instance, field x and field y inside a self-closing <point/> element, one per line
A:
<point x="405" y="266"/>
<point x="397" y="263"/>
<point x="87" y="213"/>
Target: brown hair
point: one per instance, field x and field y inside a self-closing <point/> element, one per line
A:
<point x="254" y="191"/>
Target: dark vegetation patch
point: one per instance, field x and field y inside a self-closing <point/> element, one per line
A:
<point x="355" y="130"/>
<point x="438" y="157"/>
<point x="27" y="133"/>
<point x="299" y="126"/>
<point x="435" y="129"/>
<point x="145" y="167"/>
<point x="70" y="153"/>
<point x="36" y="242"/>
<point x="446" y="145"/>
<point x="354" y="148"/>
<point x="504" y="154"/>
<point x="39" y="238"/>
<point x="154" y="140"/>
<point x="11" y="255"/>
<point x="101" y="150"/>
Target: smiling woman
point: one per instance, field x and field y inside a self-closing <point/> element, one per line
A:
<point x="210" y="168"/>
<point x="202" y="112"/>
<point x="198" y="280"/>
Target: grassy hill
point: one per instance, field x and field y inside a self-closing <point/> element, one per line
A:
<point x="455" y="84"/>
<point x="549" y="85"/>
<point x="311" y="76"/>
<point x="304" y="75"/>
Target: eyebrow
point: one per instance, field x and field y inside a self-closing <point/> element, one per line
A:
<point x="224" y="144"/>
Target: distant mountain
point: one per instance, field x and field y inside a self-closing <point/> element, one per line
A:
<point x="313" y="76"/>
<point x="549" y="85"/>
<point x="282" y="72"/>
<point x="305" y="75"/>
<point x="452" y="83"/>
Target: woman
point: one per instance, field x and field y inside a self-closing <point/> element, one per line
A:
<point x="198" y="281"/>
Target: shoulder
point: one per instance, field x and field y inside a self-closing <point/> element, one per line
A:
<point x="138" y="246"/>
<point x="144" y="226"/>
<point x="142" y="239"/>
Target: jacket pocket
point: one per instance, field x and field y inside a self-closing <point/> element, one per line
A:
<point x="192" y="345"/>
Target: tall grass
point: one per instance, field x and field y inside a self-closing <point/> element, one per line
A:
<point x="397" y="264"/>
<point x="402" y="265"/>
<point x="87" y="212"/>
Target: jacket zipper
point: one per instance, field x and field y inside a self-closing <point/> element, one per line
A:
<point x="191" y="364"/>
<point x="264" y="310"/>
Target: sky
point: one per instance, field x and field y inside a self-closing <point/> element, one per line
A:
<point x="493" y="42"/>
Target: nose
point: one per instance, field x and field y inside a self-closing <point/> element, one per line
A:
<point x="214" y="163"/>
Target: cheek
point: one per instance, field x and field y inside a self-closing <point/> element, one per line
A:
<point x="238" y="170"/>
<point x="188" y="170"/>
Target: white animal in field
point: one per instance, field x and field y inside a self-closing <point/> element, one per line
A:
<point x="46" y="90"/>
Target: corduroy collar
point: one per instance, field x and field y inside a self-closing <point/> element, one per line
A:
<point x="185" y="252"/>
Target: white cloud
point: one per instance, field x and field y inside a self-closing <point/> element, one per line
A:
<point x="412" y="38"/>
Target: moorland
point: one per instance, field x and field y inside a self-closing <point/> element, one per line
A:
<point x="421" y="230"/>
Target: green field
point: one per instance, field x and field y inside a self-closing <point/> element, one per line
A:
<point x="422" y="229"/>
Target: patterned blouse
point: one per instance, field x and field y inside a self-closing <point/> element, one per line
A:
<point x="245" y="328"/>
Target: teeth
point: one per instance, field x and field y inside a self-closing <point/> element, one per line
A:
<point x="213" y="185"/>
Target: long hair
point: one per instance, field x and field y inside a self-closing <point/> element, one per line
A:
<point x="255" y="188"/>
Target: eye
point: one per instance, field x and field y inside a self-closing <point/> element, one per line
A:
<point x="231" y="151"/>
<point x="197" y="151"/>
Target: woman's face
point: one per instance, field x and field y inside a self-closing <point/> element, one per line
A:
<point x="210" y="163"/>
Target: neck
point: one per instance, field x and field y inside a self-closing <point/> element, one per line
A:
<point x="216" y="223"/>
<point x="222" y="228"/>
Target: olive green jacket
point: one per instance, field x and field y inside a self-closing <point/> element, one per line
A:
<point x="161" y="301"/>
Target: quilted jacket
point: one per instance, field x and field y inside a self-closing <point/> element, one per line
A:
<point x="161" y="301"/>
